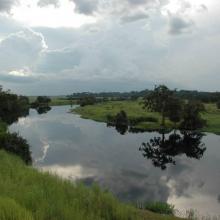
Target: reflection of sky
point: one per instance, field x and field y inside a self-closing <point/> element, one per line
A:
<point x="75" y="148"/>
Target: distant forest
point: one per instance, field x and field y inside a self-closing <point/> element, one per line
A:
<point x="206" y="97"/>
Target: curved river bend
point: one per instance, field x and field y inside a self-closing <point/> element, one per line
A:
<point x="88" y="151"/>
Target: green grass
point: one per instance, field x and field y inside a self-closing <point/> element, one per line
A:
<point x="134" y="109"/>
<point x="160" y="207"/>
<point x="58" y="101"/>
<point x="27" y="194"/>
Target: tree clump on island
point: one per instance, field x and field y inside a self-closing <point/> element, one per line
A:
<point x="41" y="101"/>
<point x="86" y="100"/>
<point x="164" y="101"/>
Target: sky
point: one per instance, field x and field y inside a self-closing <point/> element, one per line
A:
<point x="57" y="47"/>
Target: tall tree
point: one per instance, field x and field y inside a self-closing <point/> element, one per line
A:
<point x="158" y="100"/>
<point x="174" y="110"/>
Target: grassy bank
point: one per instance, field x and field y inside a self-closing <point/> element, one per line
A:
<point x="134" y="109"/>
<point x="27" y="194"/>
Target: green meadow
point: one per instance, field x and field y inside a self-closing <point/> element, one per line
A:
<point x="134" y="109"/>
<point x="27" y="194"/>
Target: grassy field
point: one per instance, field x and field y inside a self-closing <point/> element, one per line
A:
<point x="58" y="101"/>
<point x="134" y="109"/>
<point x="27" y="194"/>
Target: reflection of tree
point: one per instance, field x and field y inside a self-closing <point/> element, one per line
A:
<point x="43" y="110"/>
<point x="122" y="129"/>
<point x="162" y="151"/>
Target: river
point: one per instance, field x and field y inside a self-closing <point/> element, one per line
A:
<point x="88" y="151"/>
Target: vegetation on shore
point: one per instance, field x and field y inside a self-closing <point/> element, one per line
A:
<point x="27" y="194"/>
<point x="134" y="110"/>
<point x="55" y="100"/>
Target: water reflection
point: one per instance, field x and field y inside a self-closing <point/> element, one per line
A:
<point x="87" y="151"/>
<point x="162" y="150"/>
<point x="43" y="110"/>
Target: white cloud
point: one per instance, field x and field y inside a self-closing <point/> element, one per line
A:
<point x="132" y="44"/>
<point x="20" y="50"/>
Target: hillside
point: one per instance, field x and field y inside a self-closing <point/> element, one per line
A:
<point x="28" y="194"/>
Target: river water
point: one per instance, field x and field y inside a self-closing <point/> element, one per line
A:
<point x="88" y="151"/>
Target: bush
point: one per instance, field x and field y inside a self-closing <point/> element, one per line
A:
<point x="15" y="144"/>
<point x="87" y="100"/>
<point x="192" y="119"/>
<point x="160" y="207"/>
<point x="218" y="104"/>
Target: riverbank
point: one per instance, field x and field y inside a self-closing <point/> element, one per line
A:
<point x="28" y="194"/>
<point x="150" y="120"/>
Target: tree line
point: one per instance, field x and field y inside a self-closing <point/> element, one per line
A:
<point x="206" y="97"/>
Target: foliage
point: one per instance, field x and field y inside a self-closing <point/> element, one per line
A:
<point x="174" y="109"/>
<point x="206" y="97"/>
<point x="159" y="100"/>
<point x="47" y="197"/>
<point x="218" y="104"/>
<point x="41" y="101"/>
<point x="87" y="100"/>
<point x="121" y="122"/>
<point x="15" y="144"/>
<point x="12" y="106"/>
<point x="160" y="207"/>
<point x="192" y="119"/>
<point x="121" y="118"/>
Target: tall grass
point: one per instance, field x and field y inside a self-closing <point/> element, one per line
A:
<point x="27" y="194"/>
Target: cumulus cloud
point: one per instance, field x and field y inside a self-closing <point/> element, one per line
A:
<point x="6" y="5"/>
<point x="20" y="49"/>
<point x="43" y="3"/>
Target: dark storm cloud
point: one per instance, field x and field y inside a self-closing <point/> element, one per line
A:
<point x="87" y="7"/>
<point x="6" y="5"/>
<point x="179" y="25"/>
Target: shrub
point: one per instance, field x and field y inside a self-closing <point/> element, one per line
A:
<point x="218" y="104"/>
<point x="15" y="144"/>
<point x="160" y="207"/>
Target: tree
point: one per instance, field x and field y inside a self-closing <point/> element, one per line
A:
<point x="218" y="104"/>
<point x="158" y="100"/>
<point x="192" y="119"/>
<point x="43" y="100"/>
<point x="174" y="110"/>
<point x="121" y="122"/>
<point x="87" y="100"/>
